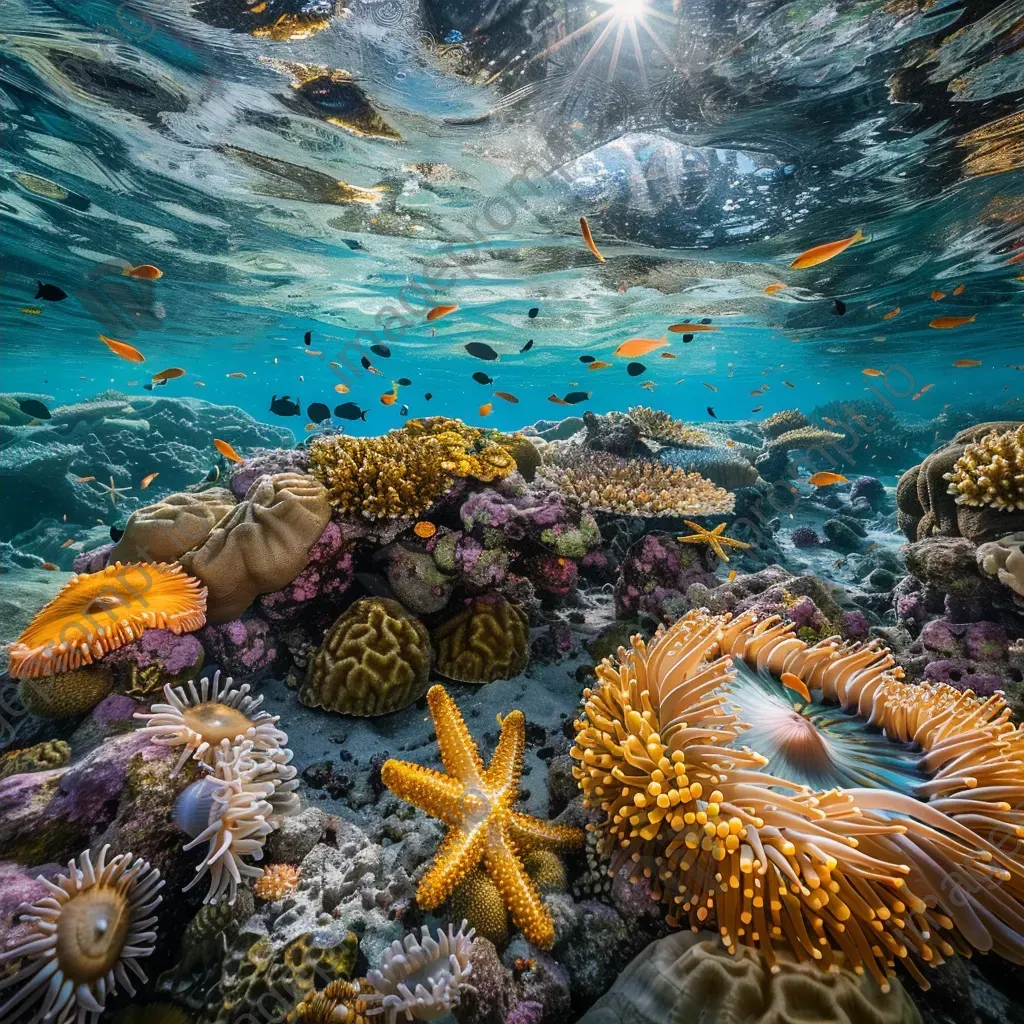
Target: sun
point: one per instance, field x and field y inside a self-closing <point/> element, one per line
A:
<point x="627" y="10"/>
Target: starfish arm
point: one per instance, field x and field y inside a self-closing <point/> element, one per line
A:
<point x="459" y="754"/>
<point x="424" y="788"/>
<point x="507" y="764"/>
<point x="457" y="856"/>
<point x="527" y="833"/>
<point x="529" y="914"/>
<point x="717" y="548"/>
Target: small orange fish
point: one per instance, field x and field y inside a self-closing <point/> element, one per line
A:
<point x="123" y="349"/>
<point x="147" y="480"/>
<point x="143" y="272"/>
<point x="598" y="364"/>
<point x="389" y="397"/>
<point x="84" y="479"/>
<point x="937" y="296"/>
<point x="962" y="363"/>
<point x="691" y="328"/>
<point x="732" y="575"/>
<point x="1015" y="259"/>
<point x="557" y="400"/>
<point x="50" y="567"/>
<point x="507" y="397"/>
<point x="830" y="422"/>
<point x="226" y="450"/>
<point x="589" y="239"/>
<point x="870" y="371"/>
<point x="236" y="376"/>
<point x="892" y="313"/>
<point x="927" y="387"/>
<point x="796" y="684"/>
<point x="826" y="479"/>
<point x="822" y="253"/>
<point x="773" y="288"/>
<point x="68" y="542"/>
<point x="424" y="529"/>
<point x="871" y="546"/>
<point x="309" y="426"/>
<point x="636" y="347"/>
<point x="342" y="389"/>
<point x="958" y="290"/>
<point x="668" y="355"/>
<point x="439" y="311"/>
<point x="485" y="409"/>
<point x="730" y="443"/>
<point x="169" y="374"/>
<point x="838" y="562"/>
<point x="945" y="323"/>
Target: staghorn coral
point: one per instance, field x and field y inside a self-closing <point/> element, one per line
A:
<point x="782" y="422"/>
<point x="261" y="545"/>
<point x="164" y="531"/>
<point x="375" y="659"/>
<point x="38" y="758"/>
<point x="341" y="1002"/>
<point x="93" y="926"/>
<point x="478" y="901"/>
<point x="66" y="694"/>
<point x="912" y="786"/>
<point x="277" y="882"/>
<point x="404" y="472"/>
<point x="635" y="486"/>
<point x="424" y="977"/>
<point x="991" y="471"/>
<point x="487" y="640"/>
<point x="1004" y="559"/>
<point x="97" y="613"/>
<point x="667" y="429"/>
<point x="477" y="805"/>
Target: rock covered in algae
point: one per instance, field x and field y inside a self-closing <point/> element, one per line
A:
<point x="487" y="640"/>
<point x="375" y="659"/>
<point x="165" y="530"/>
<point x="261" y="545"/>
<point x="687" y="977"/>
<point x="37" y="758"/>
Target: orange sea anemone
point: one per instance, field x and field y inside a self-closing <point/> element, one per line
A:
<point x="890" y="829"/>
<point x="101" y="611"/>
<point x="277" y="882"/>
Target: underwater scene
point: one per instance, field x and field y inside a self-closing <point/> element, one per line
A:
<point x="512" y="511"/>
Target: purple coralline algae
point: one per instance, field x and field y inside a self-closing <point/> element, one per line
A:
<point x="157" y="657"/>
<point x="94" y="560"/>
<point x="264" y="461"/>
<point x="240" y="648"/>
<point x="654" y="576"/>
<point x="554" y="575"/>
<point x="870" y="489"/>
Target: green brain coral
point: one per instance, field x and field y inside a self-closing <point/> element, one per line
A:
<point x="66" y="694"/>
<point x="375" y="659"/>
<point x="489" y="639"/>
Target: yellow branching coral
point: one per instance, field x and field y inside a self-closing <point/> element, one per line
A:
<point x="404" y="472"/>
<point x="667" y="429"/>
<point x="101" y="611"/>
<point x="991" y="472"/>
<point x="636" y="487"/>
<point x="477" y="805"/>
<point x="906" y="848"/>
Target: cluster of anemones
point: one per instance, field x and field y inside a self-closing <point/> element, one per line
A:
<point x="248" y="783"/>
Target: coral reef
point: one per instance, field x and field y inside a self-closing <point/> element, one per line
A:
<point x="478" y="901"/>
<point x="783" y="422"/>
<point x="267" y="462"/>
<point x="654" y="576"/>
<point x="278" y="881"/>
<point x="614" y="433"/>
<point x="374" y="660"/>
<point x="805" y="537"/>
<point x="157" y="658"/>
<point x="487" y="640"/>
<point x="477" y="805"/>
<point x="723" y="466"/>
<point x="100" y="612"/>
<point x="660" y="426"/>
<point x="38" y="758"/>
<point x="240" y="648"/>
<point x="1004" y="559"/>
<point x="261" y="545"/>
<point x="991" y="471"/>
<point x="635" y="487"/>
<point x="341" y="1000"/>
<point x="164" y="531"/>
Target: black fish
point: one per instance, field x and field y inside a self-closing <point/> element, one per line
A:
<point x="308" y="337"/>
<point x="404" y="411"/>
<point x="33" y="407"/>
<point x="838" y="307"/>
<point x="50" y="292"/>
<point x="687" y="338"/>
<point x="706" y="320"/>
<point x="318" y="412"/>
<point x="586" y="359"/>
<point x="213" y="476"/>
<point x="381" y="350"/>
<point x="350" y="411"/>
<point x="481" y="378"/>
<point x="635" y="369"/>
<point x="352" y="243"/>
<point x="479" y="350"/>
<point x="526" y="347"/>
<point x="575" y="397"/>
<point x="284" y="406"/>
<point x="711" y="413"/>
<point x="116" y="533"/>
<point x="365" y="363"/>
<point x="154" y="384"/>
<point x="404" y="382"/>
<point x="427" y="397"/>
<point x="533" y="312"/>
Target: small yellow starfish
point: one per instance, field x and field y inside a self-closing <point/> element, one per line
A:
<point x="476" y="804"/>
<point x="713" y="538"/>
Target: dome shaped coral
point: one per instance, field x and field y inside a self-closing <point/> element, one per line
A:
<point x="489" y="639"/>
<point x="850" y="839"/>
<point x="66" y="694"/>
<point x="991" y="471"/>
<point x="99" y="612"/>
<point x="165" y="530"/>
<point x="375" y="659"/>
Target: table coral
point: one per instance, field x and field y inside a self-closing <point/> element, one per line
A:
<point x="477" y="805"/>
<point x="667" y="429"/>
<point x="375" y="659"/>
<point x="487" y="640"/>
<point x="783" y="421"/>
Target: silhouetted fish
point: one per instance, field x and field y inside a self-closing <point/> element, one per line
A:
<point x="50" y="292"/>
<point x="284" y="406"/>
<point x="350" y="411"/>
<point x="479" y="350"/>
<point x="318" y="412"/>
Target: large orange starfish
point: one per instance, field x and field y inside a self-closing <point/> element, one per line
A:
<point x="477" y="806"/>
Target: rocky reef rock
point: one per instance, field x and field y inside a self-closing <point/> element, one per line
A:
<point x="654" y="577"/>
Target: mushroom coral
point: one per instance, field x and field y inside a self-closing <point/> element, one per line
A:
<point x="98" y="612"/>
<point x="85" y="936"/>
<point x="890" y="831"/>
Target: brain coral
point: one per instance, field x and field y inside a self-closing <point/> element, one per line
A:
<point x="66" y="694"/>
<point x="691" y="977"/>
<point x="406" y="471"/>
<point x="991" y="471"/>
<point x="890" y="833"/>
<point x="667" y="429"/>
<point x="489" y="639"/>
<point x="163" y="532"/>
<point x="261" y="545"/>
<point x="635" y="486"/>
<point x="375" y="659"/>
